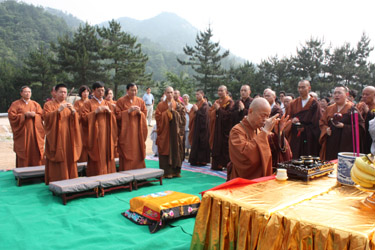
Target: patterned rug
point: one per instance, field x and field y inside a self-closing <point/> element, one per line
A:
<point x="187" y="167"/>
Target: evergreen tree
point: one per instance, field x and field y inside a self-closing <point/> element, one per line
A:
<point x="79" y="56"/>
<point x="205" y="60"/>
<point x="182" y="82"/>
<point x="40" y="68"/>
<point x="122" y="55"/>
<point x="244" y="74"/>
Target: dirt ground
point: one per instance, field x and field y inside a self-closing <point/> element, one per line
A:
<point x="8" y="157"/>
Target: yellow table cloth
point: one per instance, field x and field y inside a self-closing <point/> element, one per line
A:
<point x="285" y="215"/>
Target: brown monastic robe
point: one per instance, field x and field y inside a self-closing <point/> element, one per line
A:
<point x="249" y="152"/>
<point x="304" y="139"/>
<point x="101" y="137"/>
<point x="170" y="130"/>
<point x="199" y="135"/>
<point x="237" y="114"/>
<point x="132" y="133"/>
<point x="341" y="138"/>
<point x="220" y="126"/>
<point x="28" y="133"/>
<point x="63" y="142"/>
<point x="77" y="106"/>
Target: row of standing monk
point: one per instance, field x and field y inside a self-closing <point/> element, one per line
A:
<point x="104" y="128"/>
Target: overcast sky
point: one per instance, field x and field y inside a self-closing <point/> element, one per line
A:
<point x="253" y="30"/>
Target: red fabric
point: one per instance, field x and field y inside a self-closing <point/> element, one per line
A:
<point x="239" y="182"/>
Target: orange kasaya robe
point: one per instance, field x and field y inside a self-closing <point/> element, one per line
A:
<point x="220" y="126"/>
<point x="170" y="140"/>
<point x="77" y="106"/>
<point x="132" y="133"/>
<point x="28" y="133"/>
<point x="63" y="142"/>
<point x="341" y="139"/>
<point x="101" y="137"/>
<point x="249" y="152"/>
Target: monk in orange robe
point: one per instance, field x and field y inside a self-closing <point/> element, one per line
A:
<point x="99" y="117"/>
<point x="336" y="133"/>
<point x="305" y="113"/>
<point x="249" y="147"/>
<point x="220" y="126"/>
<point x="83" y="92"/>
<point x="131" y="116"/>
<point x="63" y="137"/>
<point x="25" y="118"/>
<point x="170" y="123"/>
<point x="199" y="133"/>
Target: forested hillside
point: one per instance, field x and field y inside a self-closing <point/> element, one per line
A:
<point x="24" y="27"/>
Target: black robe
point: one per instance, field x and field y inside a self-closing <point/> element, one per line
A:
<point x="237" y="114"/>
<point x="200" y="147"/>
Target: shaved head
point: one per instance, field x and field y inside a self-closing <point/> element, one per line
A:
<point x="259" y="111"/>
<point x="307" y="83"/>
<point x="368" y="96"/>
<point x="259" y="103"/>
<point x="222" y="91"/>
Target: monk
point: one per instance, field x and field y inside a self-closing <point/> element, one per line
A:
<point x="199" y="134"/>
<point x="131" y="116"/>
<point x="270" y="96"/>
<point x="83" y="92"/>
<point x="336" y="134"/>
<point x="241" y="106"/>
<point x="249" y="147"/>
<point x="170" y="123"/>
<point x="63" y="137"/>
<point x="367" y="110"/>
<point x="305" y="113"/>
<point x="25" y="118"/>
<point x="220" y="125"/>
<point x="99" y="117"/>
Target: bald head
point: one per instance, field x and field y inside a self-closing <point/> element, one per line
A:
<point x="168" y="93"/>
<point x="222" y="91"/>
<point x="259" y="111"/>
<point x="368" y="96"/>
<point x="304" y="89"/>
<point x="245" y="92"/>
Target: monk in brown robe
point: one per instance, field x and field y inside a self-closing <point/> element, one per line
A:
<point x="241" y="107"/>
<point x="170" y="123"/>
<point x="305" y="113"/>
<point x="220" y="126"/>
<point x="249" y="147"/>
<point x="199" y="133"/>
<point x="367" y="110"/>
<point x="131" y="116"/>
<point x="336" y="134"/>
<point x="25" y="118"/>
<point x="63" y="137"/>
<point x="99" y="117"/>
<point x="83" y="92"/>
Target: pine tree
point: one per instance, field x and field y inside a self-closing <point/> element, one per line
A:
<point x="205" y="60"/>
<point x="122" y="54"/>
<point x="79" y="56"/>
<point x="40" y="68"/>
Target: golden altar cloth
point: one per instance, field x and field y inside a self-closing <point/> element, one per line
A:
<point x="285" y="215"/>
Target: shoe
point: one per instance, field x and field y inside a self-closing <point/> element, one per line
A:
<point x="149" y="125"/>
<point x="177" y="175"/>
<point x="168" y="176"/>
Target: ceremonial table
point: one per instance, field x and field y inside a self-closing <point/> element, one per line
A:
<point x="285" y="215"/>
